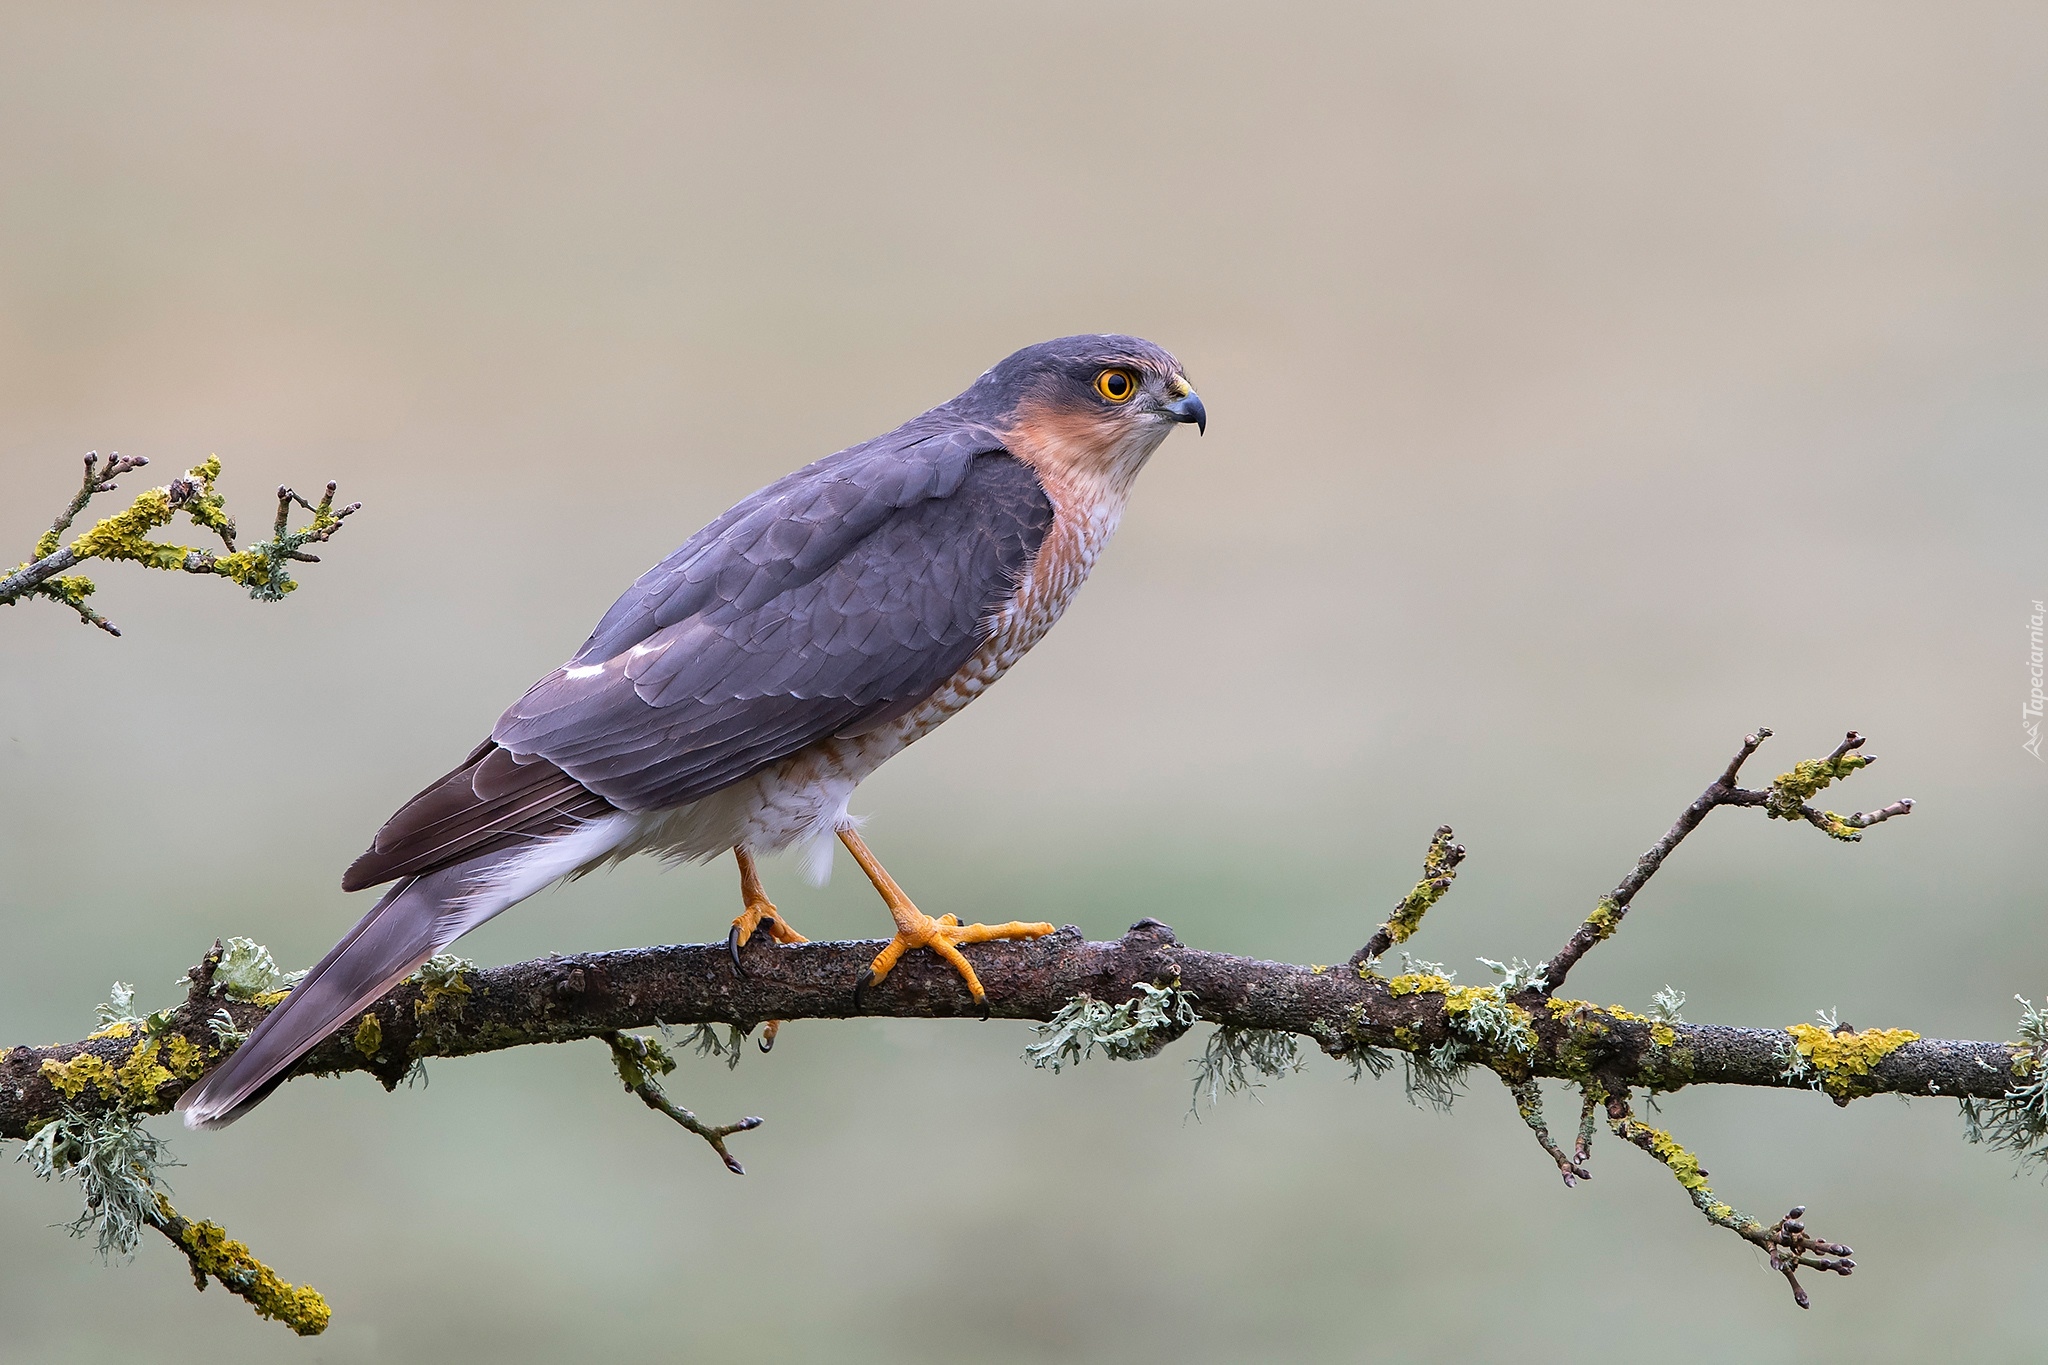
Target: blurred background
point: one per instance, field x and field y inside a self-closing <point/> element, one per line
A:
<point x="1589" y="384"/>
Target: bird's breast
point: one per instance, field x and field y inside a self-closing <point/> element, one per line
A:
<point x="1083" y="521"/>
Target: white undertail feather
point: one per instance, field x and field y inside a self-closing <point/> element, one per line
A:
<point x="550" y="859"/>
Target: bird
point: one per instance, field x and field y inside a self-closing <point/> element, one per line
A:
<point x="733" y="698"/>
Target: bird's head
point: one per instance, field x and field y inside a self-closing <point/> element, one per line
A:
<point x="1093" y="406"/>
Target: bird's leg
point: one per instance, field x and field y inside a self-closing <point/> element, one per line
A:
<point x="915" y="929"/>
<point x="760" y="913"/>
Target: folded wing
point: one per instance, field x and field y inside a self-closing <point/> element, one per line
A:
<point x="838" y="597"/>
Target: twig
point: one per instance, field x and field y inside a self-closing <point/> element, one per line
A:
<point x="1785" y="799"/>
<point x="1785" y="1241"/>
<point x="125" y="536"/>
<point x="641" y="1062"/>
<point x="211" y="1252"/>
<point x="1439" y="867"/>
<point x="1529" y="1104"/>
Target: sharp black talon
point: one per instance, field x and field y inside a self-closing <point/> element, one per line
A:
<point x="867" y="979"/>
<point x="732" y="944"/>
<point x="984" y="1007"/>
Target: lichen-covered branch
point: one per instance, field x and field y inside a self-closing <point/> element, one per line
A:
<point x="641" y="1063"/>
<point x="1126" y="999"/>
<point x="1439" y="867"/>
<point x="261" y="568"/>
<point x="1787" y="798"/>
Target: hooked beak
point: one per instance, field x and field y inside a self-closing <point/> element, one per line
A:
<point x="1188" y="408"/>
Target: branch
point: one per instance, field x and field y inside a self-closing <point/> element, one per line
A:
<point x="1786" y="798"/>
<point x="261" y="568"/>
<point x="1127" y="998"/>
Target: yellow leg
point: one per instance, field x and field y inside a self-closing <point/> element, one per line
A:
<point x="915" y="929"/>
<point x="760" y="913"/>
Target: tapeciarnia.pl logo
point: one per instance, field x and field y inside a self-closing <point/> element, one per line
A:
<point x="2030" y="714"/>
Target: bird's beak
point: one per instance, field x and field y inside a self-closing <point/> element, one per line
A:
<point x="1188" y="408"/>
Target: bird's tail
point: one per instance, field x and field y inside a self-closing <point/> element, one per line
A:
<point x="416" y="918"/>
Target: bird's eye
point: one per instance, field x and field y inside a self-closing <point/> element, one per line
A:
<point x="1116" y="385"/>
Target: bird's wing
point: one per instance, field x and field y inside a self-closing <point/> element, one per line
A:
<point x="825" y="604"/>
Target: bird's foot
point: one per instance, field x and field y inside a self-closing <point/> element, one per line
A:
<point x="915" y="929"/>
<point x="759" y="916"/>
<point x="763" y="916"/>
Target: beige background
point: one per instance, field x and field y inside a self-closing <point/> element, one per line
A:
<point x="1589" y="384"/>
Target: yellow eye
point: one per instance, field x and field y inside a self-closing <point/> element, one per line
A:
<point x="1116" y="385"/>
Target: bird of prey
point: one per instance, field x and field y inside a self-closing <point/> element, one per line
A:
<point x="738" y="692"/>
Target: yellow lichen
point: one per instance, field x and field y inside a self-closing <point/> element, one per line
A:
<point x="270" y="1000"/>
<point x="436" y="991"/>
<point x="369" y="1036"/>
<point x="120" y="1028"/>
<point x="184" y="1057"/>
<point x="214" y="1253"/>
<point x="1418" y="983"/>
<point x="1843" y="1059"/>
<point x="1666" y="1149"/>
<point x="72" y="1077"/>
<point x="133" y="1083"/>
<point x="1605" y="919"/>
<point x="141" y="1075"/>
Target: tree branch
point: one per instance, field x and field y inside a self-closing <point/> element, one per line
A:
<point x="262" y="568"/>
<point x="1128" y="998"/>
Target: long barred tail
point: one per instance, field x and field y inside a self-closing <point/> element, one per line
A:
<point x="416" y="918"/>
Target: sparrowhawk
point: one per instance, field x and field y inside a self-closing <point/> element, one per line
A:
<point x="742" y="688"/>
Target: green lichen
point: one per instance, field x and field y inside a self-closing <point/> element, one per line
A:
<point x="1605" y="919"/>
<point x="125" y="535"/>
<point x="443" y="981"/>
<point x="1842" y="1060"/>
<point x="369" y="1036"/>
<point x="1439" y="867"/>
<point x="246" y="971"/>
<point x="213" y="1252"/>
<point x="1789" y="792"/>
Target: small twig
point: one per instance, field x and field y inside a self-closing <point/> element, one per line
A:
<point x="1785" y="799"/>
<point x="211" y="1252"/>
<point x="125" y="536"/>
<point x="1529" y="1104"/>
<point x="1608" y="914"/>
<point x="641" y="1063"/>
<point x="1439" y="868"/>
<point x="1785" y="1241"/>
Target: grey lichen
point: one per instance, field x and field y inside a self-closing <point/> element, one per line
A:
<point x="1517" y="975"/>
<point x="705" y="1041"/>
<point x="1240" y="1060"/>
<point x="1138" y="1027"/>
<point x="2017" y="1122"/>
<point x="119" y="1019"/>
<point x="247" y="971"/>
<point x="116" y="1161"/>
<point x="1666" y="1005"/>
<point x="1435" y="1077"/>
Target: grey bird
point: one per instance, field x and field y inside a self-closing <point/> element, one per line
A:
<point x="737" y="693"/>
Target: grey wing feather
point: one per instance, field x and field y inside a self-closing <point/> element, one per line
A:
<point x="829" y="602"/>
<point x="784" y="643"/>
